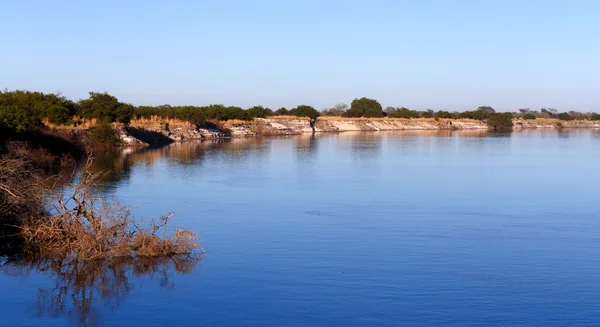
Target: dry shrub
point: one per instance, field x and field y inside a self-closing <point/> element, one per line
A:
<point x="83" y="225"/>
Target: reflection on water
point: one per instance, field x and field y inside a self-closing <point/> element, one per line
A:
<point x="118" y="164"/>
<point x="81" y="287"/>
<point x="408" y="227"/>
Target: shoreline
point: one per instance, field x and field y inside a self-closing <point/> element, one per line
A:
<point x="146" y="132"/>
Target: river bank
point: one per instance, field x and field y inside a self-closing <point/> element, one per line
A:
<point x="146" y="131"/>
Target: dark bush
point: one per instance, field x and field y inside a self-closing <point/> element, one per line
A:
<point x="500" y="121"/>
<point x="529" y="117"/>
<point x="259" y="112"/>
<point x="105" y="107"/>
<point x="19" y="119"/>
<point x="282" y="111"/>
<point x="305" y="111"/>
<point x="104" y="134"/>
<point x="444" y="115"/>
<point x="364" y="107"/>
<point x="595" y="116"/>
<point x="565" y="116"/>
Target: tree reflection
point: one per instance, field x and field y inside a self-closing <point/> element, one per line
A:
<point x="80" y="287"/>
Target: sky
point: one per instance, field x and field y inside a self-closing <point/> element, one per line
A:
<point x="420" y="54"/>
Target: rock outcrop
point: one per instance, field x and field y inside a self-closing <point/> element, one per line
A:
<point x="286" y="126"/>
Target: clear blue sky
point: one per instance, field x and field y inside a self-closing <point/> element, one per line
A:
<point x="420" y="54"/>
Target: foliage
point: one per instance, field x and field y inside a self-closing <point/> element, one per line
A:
<point x="364" y="107"/>
<point x="19" y="119"/>
<point x="403" y="113"/>
<point x="106" y="107"/>
<point x="259" y="112"/>
<point x="24" y="110"/>
<point x="442" y="114"/>
<point x="282" y="111"/>
<point x="305" y="111"/>
<point x="500" y="121"/>
<point x="565" y="116"/>
<point x="595" y="116"/>
<point x="337" y="111"/>
<point x="529" y="116"/>
<point x="104" y="134"/>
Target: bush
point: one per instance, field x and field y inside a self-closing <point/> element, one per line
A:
<point x="500" y="121"/>
<point x="259" y="112"/>
<point x="19" y="119"/>
<point x="565" y="116"/>
<point x="364" y="107"/>
<point x="104" y="134"/>
<point x="305" y="111"/>
<point x="404" y="113"/>
<point x="106" y="107"/>
<point x="595" y="116"/>
<point x="444" y="115"/>
<point x="282" y="111"/>
<point x="529" y="117"/>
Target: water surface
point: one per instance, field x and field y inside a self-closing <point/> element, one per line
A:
<point x="356" y="229"/>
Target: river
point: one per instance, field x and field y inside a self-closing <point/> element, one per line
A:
<point x="453" y="228"/>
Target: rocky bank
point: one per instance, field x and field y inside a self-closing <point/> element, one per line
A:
<point x="280" y="126"/>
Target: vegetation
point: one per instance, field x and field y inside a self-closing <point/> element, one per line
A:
<point x="104" y="134"/>
<point x="305" y="111"/>
<point x="364" y="107"/>
<point x="106" y="108"/>
<point x="500" y="121"/>
<point x="27" y="112"/>
<point x="37" y="217"/>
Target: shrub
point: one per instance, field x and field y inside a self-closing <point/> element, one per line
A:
<point x="19" y="119"/>
<point x="565" y="116"/>
<point x="305" y="111"/>
<point x="404" y="113"/>
<point x="595" y="116"/>
<point x="529" y="117"/>
<point x="259" y="112"/>
<point x="104" y="134"/>
<point x="444" y="115"/>
<point x="106" y="107"/>
<point x="282" y="111"/>
<point x="364" y="107"/>
<point x="500" y="121"/>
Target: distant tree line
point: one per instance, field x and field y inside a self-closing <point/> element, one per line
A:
<point x="26" y="111"/>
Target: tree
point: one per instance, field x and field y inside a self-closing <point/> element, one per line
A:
<point x="364" y="107"/>
<point x="565" y="116"/>
<point x="486" y="109"/>
<point x="259" y="112"/>
<point x="282" y="111"/>
<point x="106" y="107"/>
<point x="337" y="110"/>
<point x="305" y="111"/>
<point x="19" y="119"/>
<point x="529" y="116"/>
<point x="500" y="121"/>
<point x="389" y="111"/>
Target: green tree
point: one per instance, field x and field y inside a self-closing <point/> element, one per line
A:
<point x="19" y="119"/>
<point x="364" y="107"/>
<point x="305" y="111"/>
<point x="565" y="116"/>
<point x="106" y="107"/>
<point x="529" y="116"/>
<point x="500" y="121"/>
<point x="282" y="111"/>
<point x="259" y="112"/>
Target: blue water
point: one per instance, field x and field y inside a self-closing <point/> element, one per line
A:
<point x="363" y="229"/>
